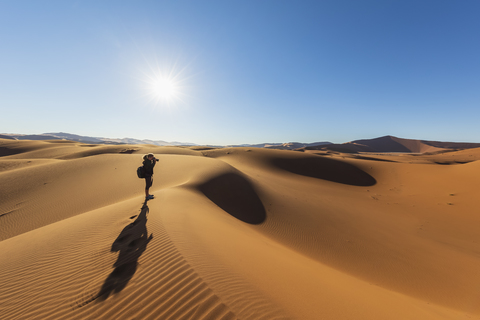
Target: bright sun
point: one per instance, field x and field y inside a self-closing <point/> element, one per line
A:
<point x="164" y="89"/>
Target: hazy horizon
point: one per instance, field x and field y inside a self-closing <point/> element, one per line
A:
<point x="233" y="144"/>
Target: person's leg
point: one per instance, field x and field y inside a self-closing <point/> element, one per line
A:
<point x="148" y="184"/>
<point x="151" y="183"/>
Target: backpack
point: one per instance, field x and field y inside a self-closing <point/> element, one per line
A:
<point x="141" y="172"/>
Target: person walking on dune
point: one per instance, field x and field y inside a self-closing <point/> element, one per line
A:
<point x="149" y="162"/>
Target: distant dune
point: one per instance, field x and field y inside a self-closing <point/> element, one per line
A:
<point x="2" y="136"/>
<point x="240" y="233"/>
<point x="394" y="144"/>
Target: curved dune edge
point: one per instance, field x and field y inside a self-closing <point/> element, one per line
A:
<point x="235" y="195"/>
<point x="405" y="247"/>
<point x="325" y="169"/>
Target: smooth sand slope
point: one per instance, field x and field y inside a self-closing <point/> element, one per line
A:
<point x="237" y="234"/>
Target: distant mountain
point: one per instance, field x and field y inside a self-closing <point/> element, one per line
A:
<point x="138" y="141"/>
<point x="93" y="140"/>
<point x="394" y="144"/>
<point x="100" y="140"/>
<point x="31" y="137"/>
<point x="381" y="144"/>
<point x="74" y="137"/>
<point x="283" y="146"/>
<point x="3" y="136"/>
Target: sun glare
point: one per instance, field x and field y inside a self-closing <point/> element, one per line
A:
<point x="164" y="86"/>
<point x="164" y="89"/>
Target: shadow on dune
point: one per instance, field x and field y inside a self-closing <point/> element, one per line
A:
<point x="235" y="195"/>
<point x="326" y="169"/>
<point x="131" y="243"/>
<point x="451" y="162"/>
<point x="372" y="159"/>
<point x="4" y="151"/>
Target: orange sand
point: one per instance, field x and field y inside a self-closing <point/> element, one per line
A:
<point x="237" y="233"/>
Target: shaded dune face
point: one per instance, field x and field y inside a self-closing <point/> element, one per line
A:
<point x="234" y="194"/>
<point x="6" y="152"/>
<point x="325" y="169"/>
<point x="372" y="159"/>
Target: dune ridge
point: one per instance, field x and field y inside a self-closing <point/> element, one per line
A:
<point x="393" y="144"/>
<point x="237" y="233"/>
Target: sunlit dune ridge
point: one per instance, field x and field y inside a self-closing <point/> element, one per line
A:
<point x="237" y="233"/>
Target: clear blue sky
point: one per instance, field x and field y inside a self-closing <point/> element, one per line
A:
<point x="247" y="71"/>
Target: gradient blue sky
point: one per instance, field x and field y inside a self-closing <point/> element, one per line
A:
<point x="250" y="71"/>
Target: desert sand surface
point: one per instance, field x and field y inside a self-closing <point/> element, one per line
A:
<point x="237" y="233"/>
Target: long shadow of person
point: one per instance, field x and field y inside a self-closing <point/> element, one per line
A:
<point x="131" y="243"/>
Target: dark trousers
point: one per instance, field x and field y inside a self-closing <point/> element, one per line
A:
<point x="148" y="182"/>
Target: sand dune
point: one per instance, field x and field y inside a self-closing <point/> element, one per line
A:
<point x="237" y="233"/>
<point x="393" y="144"/>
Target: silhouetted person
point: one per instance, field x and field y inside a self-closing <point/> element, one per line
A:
<point x="149" y="162"/>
